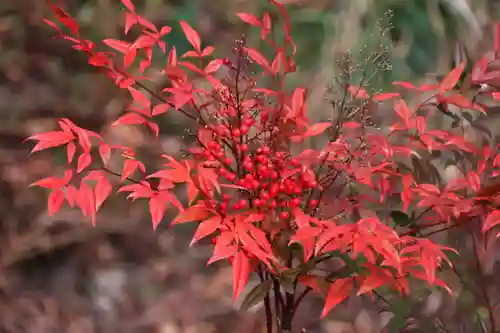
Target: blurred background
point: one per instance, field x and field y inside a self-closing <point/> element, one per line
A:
<point x="59" y="274"/>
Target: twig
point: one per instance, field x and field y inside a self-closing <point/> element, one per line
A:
<point x="483" y="285"/>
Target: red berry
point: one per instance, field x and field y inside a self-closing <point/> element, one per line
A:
<point x="244" y="129"/>
<point x="236" y="133"/>
<point x="264" y="195"/>
<point x="284" y="215"/>
<point x="273" y="191"/>
<point x="295" y="202"/>
<point x="313" y="203"/>
<point x="258" y="203"/>
<point x="263" y="170"/>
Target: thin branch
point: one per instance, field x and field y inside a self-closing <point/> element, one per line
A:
<point x="483" y="286"/>
<point x="267" y="304"/>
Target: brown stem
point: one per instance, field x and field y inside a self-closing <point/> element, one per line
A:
<point x="267" y="304"/>
<point x="483" y="285"/>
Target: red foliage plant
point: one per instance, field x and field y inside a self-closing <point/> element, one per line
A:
<point x="271" y="212"/>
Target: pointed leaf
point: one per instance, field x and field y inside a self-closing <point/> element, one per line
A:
<point x="241" y="272"/>
<point x="451" y="80"/>
<point x="192" y="36"/>
<point x="338" y="291"/>
<point x="56" y="199"/>
<point x="256" y="295"/>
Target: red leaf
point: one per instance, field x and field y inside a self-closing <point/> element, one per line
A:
<point x="276" y="64"/>
<point x="192" y="214"/>
<point x="374" y="280"/>
<point x="492" y="220"/>
<point x="451" y="80"/>
<point x="54" y="182"/>
<point x="474" y="181"/>
<point x="129" y="168"/>
<point x="70" y="151"/>
<point x="129" y="57"/>
<point x="207" y="51"/>
<point x="119" y="45"/>
<point x="241" y="272"/>
<point x="56" y="199"/>
<point x="351" y="125"/>
<point x="311" y="281"/>
<point x="51" y="139"/>
<point x="266" y="27"/>
<point x="463" y="102"/>
<point x="256" y="56"/>
<point x="129" y="5"/>
<point x="154" y="127"/>
<point x="403" y="111"/>
<point x="178" y="172"/>
<point x="130" y="118"/>
<point x="105" y="153"/>
<point x="65" y="19"/>
<point x="139" y="98"/>
<point x="462" y="143"/>
<point x="301" y="219"/>
<point x="250" y="19"/>
<point x="192" y="36"/>
<point x="357" y="92"/>
<point x="385" y="96"/>
<point x="314" y="130"/>
<point x="86" y="201"/>
<point x="157" y="208"/>
<point x="71" y="195"/>
<point x="140" y="190"/>
<point x="206" y="228"/>
<point x="224" y="247"/>
<point x="306" y="236"/>
<point x="83" y="162"/>
<point x="337" y="292"/>
<point x="130" y="21"/>
<point x="190" y="65"/>
<point x="404" y="84"/>
<point x="213" y="66"/>
<point x="298" y="104"/>
<point x="102" y="191"/>
<point x="160" y="109"/>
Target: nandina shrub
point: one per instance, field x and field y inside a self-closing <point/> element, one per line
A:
<point x="268" y="210"/>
